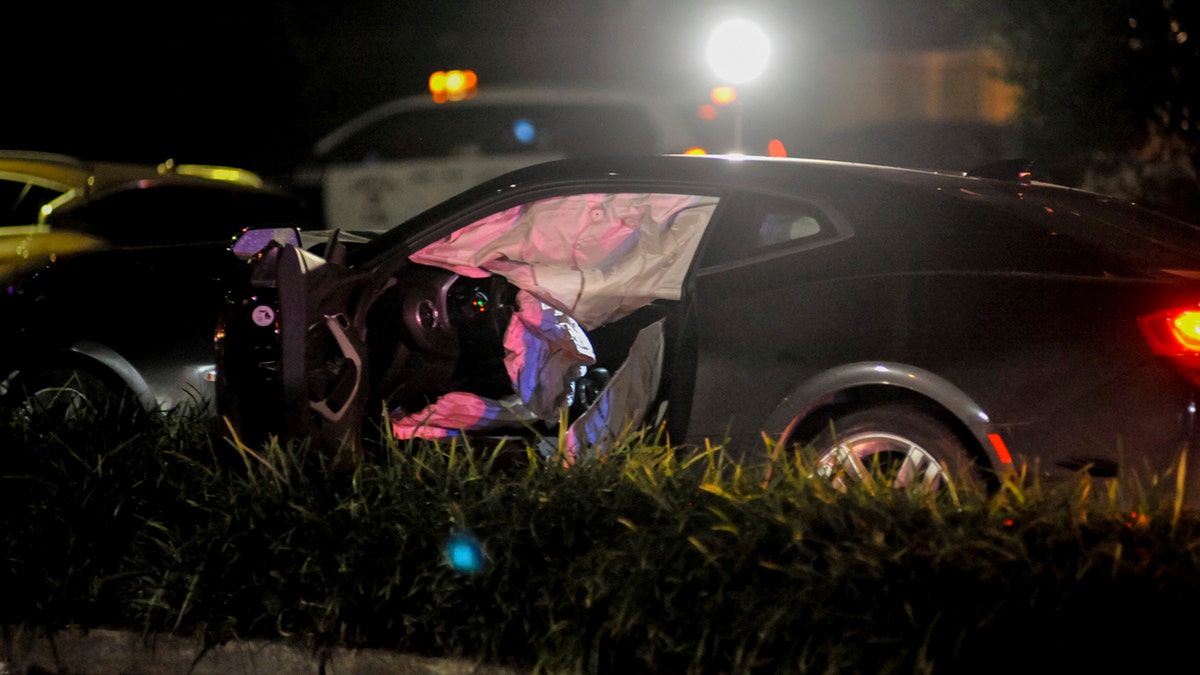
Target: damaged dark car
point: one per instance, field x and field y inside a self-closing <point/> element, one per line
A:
<point x="936" y="320"/>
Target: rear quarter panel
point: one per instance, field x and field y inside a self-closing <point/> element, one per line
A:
<point x="1046" y="343"/>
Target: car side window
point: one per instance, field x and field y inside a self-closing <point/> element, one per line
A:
<point x="177" y="215"/>
<point x="777" y="228"/>
<point x="756" y="225"/>
<point x="21" y="201"/>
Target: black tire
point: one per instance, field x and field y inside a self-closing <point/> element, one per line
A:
<point x="902" y="444"/>
<point x="65" y="394"/>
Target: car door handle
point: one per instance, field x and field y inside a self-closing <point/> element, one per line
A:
<point x="334" y="323"/>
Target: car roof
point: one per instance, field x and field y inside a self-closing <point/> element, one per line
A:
<point x="711" y="172"/>
<point x="82" y="181"/>
<point x="674" y="131"/>
<point x="87" y="177"/>
<point x="61" y="171"/>
<point x="774" y="173"/>
<point x="784" y="176"/>
<point x="954" y="209"/>
<point x="731" y="171"/>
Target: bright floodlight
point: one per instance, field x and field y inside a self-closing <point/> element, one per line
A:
<point x="738" y="51"/>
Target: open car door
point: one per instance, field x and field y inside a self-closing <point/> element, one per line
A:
<point x="291" y="349"/>
<point x="541" y="310"/>
<point x="323" y="355"/>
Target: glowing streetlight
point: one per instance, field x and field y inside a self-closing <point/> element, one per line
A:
<point x="738" y="51"/>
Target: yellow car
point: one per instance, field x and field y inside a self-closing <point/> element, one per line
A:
<point x="112" y="274"/>
<point x="37" y="190"/>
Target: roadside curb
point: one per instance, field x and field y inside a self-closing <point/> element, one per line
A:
<point x="110" y="652"/>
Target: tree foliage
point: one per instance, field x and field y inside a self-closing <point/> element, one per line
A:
<point x="1111" y="91"/>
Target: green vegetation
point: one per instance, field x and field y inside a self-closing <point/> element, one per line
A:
<point x="650" y="560"/>
<point x="1110" y="93"/>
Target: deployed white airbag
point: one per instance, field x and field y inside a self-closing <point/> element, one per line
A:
<point x="580" y="260"/>
<point x="625" y="400"/>
<point x="596" y="257"/>
<point x="461" y="411"/>
<point x="545" y="351"/>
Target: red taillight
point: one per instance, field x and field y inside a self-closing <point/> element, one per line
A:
<point x="1174" y="333"/>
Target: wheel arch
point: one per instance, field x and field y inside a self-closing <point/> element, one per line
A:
<point x="98" y="359"/>
<point x="810" y="406"/>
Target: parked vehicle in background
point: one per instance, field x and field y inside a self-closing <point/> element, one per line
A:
<point x="925" y="319"/>
<point x="112" y="275"/>
<point x="404" y="156"/>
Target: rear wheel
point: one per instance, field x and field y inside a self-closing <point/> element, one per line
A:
<point x="900" y="445"/>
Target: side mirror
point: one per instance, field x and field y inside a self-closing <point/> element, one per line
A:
<point x="254" y="240"/>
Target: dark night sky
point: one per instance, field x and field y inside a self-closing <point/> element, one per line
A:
<point x="253" y="83"/>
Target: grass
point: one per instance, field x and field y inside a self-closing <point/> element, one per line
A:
<point x="651" y="559"/>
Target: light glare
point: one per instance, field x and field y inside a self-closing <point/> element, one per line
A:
<point x="738" y="51"/>
<point x="723" y="95"/>
<point x="524" y="131"/>
<point x="463" y="553"/>
<point x="452" y="85"/>
<point x="1187" y="329"/>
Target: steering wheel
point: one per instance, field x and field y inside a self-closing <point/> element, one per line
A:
<point x="435" y="331"/>
<point x="413" y="345"/>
